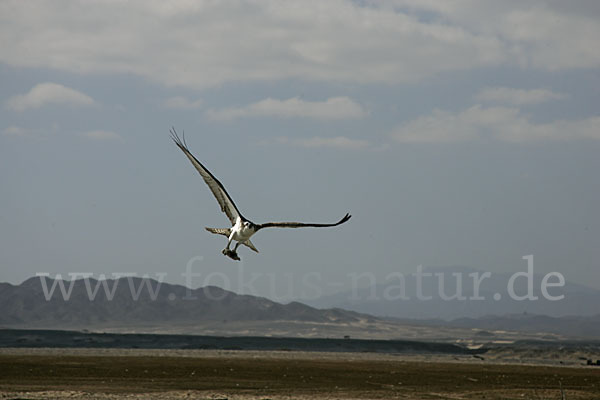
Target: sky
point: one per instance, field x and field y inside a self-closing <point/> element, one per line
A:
<point x="457" y="133"/>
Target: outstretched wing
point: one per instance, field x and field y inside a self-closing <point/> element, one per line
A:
<point x="216" y="187"/>
<point x="301" y="224"/>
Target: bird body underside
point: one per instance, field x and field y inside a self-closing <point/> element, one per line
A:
<point x="227" y="232"/>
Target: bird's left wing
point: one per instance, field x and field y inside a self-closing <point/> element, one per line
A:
<point x="302" y="224"/>
<point x="216" y="187"/>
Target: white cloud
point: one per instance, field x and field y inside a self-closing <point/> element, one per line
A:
<point x="102" y="135"/>
<point x="39" y="132"/>
<point x="48" y="93"/>
<point x="540" y="34"/>
<point x="338" y="142"/>
<point x="200" y="44"/>
<point x="179" y="102"/>
<point x="14" y="130"/>
<point x="517" y="97"/>
<point x="332" y="108"/>
<point x="500" y="123"/>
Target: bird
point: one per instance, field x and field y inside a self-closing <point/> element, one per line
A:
<point x="242" y="229"/>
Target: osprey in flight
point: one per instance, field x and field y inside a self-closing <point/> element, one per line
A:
<point x="242" y="229"/>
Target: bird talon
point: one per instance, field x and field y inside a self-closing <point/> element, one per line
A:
<point x="231" y="254"/>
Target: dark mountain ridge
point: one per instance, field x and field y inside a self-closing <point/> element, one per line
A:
<point x="136" y="301"/>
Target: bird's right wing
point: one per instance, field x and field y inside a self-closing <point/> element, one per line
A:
<point x="216" y="187"/>
<point x="302" y="224"/>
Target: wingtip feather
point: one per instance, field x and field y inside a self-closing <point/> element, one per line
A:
<point x="178" y="141"/>
<point x="346" y="217"/>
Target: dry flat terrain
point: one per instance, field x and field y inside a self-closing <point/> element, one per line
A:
<point x="162" y="374"/>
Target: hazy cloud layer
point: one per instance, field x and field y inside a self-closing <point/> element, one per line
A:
<point x="333" y="108"/>
<point x="204" y="43"/>
<point x="337" y="142"/>
<point x="14" y="130"/>
<point x="517" y="97"/>
<point x="48" y="93"/>
<point x="500" y="123"/>
<point x="102" y="135"/>
<point x="182" y="103"/>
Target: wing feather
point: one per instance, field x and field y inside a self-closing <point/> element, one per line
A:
<point x="302" y="224"/>
<point x="216" y="187"/>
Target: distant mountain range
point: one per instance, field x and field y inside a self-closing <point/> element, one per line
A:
<point x="387" y="300"/>
<point x="132" y="304"/>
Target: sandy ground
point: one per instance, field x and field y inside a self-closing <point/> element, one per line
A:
<point x="215" y="374"/>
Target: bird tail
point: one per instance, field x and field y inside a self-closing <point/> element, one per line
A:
<point x="249" y="244"/>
